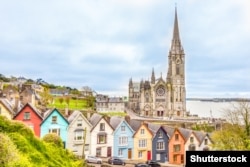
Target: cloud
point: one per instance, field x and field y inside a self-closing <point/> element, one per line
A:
<point x="102" y="44"/>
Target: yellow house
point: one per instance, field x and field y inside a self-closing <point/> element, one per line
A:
<point x="5" y="109"/>
<point x="143" y="143"/>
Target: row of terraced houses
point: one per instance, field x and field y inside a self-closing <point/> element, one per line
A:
<point x="112" y="136"/>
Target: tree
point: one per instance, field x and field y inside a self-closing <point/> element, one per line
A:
<point x="61" y="100"/>
<point x="46" y="97"/>
<point x="235" y="135"/>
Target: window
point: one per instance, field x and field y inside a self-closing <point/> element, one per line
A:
<point x="177" y="147"/>
<point x="79" y="122"/>
<point x="54" y="119"/>
<point x="120" y="152"/>
<point x="191" y="139"/>
<point x="26" y="116"/>
<point x="176" y="136"/>
<point x="142" y="131"/>
<point x="123" y="128"/>
<point x="55" y="131"/>
<point x="177" y="70"/>
<point x="206" y="142"/>
<point x="101" y="139"/>
<point x="160" y="134"/>
<point x="142" y="143"/>
<point x="79" y="135"/>
<point x="102" y="126"/>
<point x="160" y="145"/>
<point x="123" y="140"/>
<point x="140" y="154"/>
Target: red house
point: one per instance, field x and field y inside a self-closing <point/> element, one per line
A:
<point x="31" y="117"/>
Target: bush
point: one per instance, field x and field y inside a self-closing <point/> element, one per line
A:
<point x="54" y="139"/>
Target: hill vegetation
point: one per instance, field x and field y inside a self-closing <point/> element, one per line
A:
<point x="20" y="148"/>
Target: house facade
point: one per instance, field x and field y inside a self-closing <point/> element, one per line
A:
<point x="143" y="143"/>
<point x="6" y="109"/>
<point x="160" y="145"/>
<point x="176" y="148"/>
<point x="101" y="136"/>
<point x="79" y="134"/>
<point x="54" y="122"/>
<point x="123" y="144"/>
<point x="30" y="116"/>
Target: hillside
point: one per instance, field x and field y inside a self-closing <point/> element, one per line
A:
<point x="20" y="148"/>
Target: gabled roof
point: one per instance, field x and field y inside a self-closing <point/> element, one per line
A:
<point x="73" y="117"/>
<point x="115" y="121"/>
<point x="33" y="109"/>
<point x="170" y="130"/>
<point x="177" y="130"/>
<point x="48" y="113"/>
<point x="185" y="133"/>
<point x="146" y="125"/>
<point x="154" y="128"/>
<point x="96" y="118"/>
<point x="209" y="137"/>
<point x="199" y="135"/>
<point x="135" y="124"/>
<point x="7" y="105"/>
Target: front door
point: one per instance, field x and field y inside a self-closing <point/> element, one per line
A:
<point x="109" y="152"/>
<point x="129" y="153"/>
<point x="149" y="155"/>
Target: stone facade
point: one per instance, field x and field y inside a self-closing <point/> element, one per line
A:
<point x="163" y="97"/>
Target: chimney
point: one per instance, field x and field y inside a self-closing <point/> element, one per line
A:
<point x="66" y="111"/>
<point x="127" y="119"/>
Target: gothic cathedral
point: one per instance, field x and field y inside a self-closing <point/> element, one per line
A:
<point x="159" y="97"/>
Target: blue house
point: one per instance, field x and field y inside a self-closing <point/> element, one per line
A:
<point x="159" y="143"/>
<point x="123" y="138"/>
<point x="54" y="122"/>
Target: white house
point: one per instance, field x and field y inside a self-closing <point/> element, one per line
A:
<point x="205" y="144"/>
<point x="101" y="136"/>
<point x="79" y="127"/>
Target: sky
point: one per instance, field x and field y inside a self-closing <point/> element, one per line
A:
<point x="104" y="43"/>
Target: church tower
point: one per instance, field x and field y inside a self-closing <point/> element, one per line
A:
<point x="157" y="97"/>
<point x="176" y="74"/>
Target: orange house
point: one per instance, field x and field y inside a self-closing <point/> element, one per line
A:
<point x="176" y="148"/>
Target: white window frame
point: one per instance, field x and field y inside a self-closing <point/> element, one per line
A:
<point x="79" y="135"/>
<point x="160" y="145"/>
<point x="142" y="143"/>
<point x="55" y="131"/>
<point x="123" y="141"/>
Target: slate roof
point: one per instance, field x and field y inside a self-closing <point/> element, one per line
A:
<point x="153" y="127"/>
<point x="185" y="133"/>
<point x="200" y="135"/>
<point x="169" y="130"/>
<point x="7" y="104"/>
<point x="135" y="124"/>
<point x="115" y="121"/>
<point x="73" y="115"/>
<point x="94" y="119"/>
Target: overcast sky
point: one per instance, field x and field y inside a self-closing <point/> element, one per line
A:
<point x="103" y="43"/>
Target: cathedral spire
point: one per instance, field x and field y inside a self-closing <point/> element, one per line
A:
<point x="153" y="77"/>
<point x="176" y="42"/>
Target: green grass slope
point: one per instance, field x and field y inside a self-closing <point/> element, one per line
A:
<point x="20" y="148"/>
